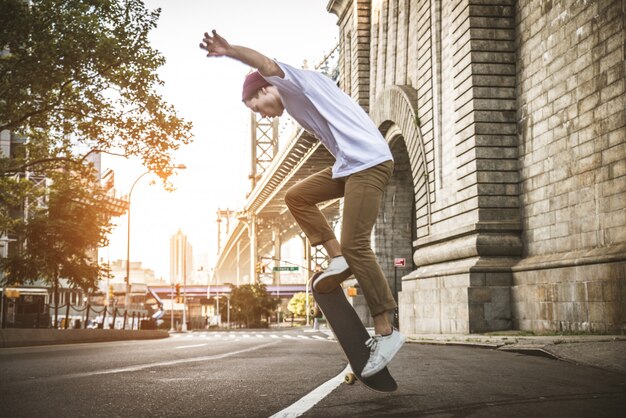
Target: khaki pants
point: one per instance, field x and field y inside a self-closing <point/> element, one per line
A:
<point x="362" y="193"/>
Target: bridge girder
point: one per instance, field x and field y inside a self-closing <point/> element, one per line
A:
<point x="300" y="158"/>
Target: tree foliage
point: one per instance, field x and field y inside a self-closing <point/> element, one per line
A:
<point x="76" y="77"/>
<point x="250" y="304"/>
<point x="58" y="238"/>
<point x="83" y="72"/>
<point x="297" y="304"/>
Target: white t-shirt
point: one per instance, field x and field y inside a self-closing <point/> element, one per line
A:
<point x="342" y="126"/>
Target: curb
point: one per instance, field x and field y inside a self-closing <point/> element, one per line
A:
<point x="529" y="350"/>
<point x="35" y="337"/>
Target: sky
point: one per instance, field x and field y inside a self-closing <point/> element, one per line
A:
<point x="207" y="92"/>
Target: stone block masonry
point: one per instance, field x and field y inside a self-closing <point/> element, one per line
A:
<point x="508" y="122"/>
<point x="572" y="130"/>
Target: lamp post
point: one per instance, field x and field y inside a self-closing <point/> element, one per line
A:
<point x="184" y="327"/>
<point x="172" y="329"/>
<point x="127" y="298"/>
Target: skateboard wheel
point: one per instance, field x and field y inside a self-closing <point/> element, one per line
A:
<point x="349" y="378"/>
<point x="316" y="313"/>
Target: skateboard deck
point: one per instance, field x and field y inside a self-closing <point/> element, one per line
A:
<point x="352" y="335"/>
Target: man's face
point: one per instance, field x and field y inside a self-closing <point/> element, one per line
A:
<point x="266" y="102"/>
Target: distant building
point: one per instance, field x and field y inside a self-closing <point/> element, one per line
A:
<point x="138" y="274"/>
<point x="201" y="271"/>
<point x="116" y="286"/>
<point x="181" y="258"/>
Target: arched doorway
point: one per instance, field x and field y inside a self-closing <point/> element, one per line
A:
<point x="395" y="231"/>
<point x="405" y="215"/>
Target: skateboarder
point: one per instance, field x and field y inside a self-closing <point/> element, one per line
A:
<point x="362" y="169"/>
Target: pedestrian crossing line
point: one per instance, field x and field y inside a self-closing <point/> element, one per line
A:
<point x="190" y="346"/>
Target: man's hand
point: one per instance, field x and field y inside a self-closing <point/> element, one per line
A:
<point x="215" y="45"/>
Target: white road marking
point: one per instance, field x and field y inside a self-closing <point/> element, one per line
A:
<point x="312" y="398"/>
<point x="157" y="364"/>
<point x="190" y="346"/>
<point x="240" y="335"/>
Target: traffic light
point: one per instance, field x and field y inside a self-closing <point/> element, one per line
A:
<point x="111" y="293"/>
<point x="177" y="290"/>
<point x="261" y="267"/>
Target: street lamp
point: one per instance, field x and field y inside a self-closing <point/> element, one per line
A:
<point x="127" y="298"/>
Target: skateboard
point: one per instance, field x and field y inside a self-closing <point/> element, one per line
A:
<point x="352" y="335"/>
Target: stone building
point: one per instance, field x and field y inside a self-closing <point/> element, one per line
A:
<point x="507" y="123"/>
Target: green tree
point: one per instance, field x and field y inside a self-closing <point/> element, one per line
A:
<point x="251" y="304"/>
<point x="58" y="239"/>
<point x="76" y="77"/>
<point x="297" y="304"/>
<point x="79" y="76"/>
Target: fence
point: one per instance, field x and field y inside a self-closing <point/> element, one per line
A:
<point x="68" y="316"/>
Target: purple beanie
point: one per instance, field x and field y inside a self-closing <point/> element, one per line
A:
<point x="253" y="83"/>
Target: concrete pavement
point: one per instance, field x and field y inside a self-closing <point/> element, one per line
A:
<point x="263" y="372"/>
<point x="604" y="351"/>
<point x="607" y="352"/>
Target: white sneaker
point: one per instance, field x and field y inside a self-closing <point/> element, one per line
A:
<point x="382" y="348"/>
<point x="333" y="276"/>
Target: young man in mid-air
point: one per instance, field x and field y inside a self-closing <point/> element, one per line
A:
<point x="362" y="169"/>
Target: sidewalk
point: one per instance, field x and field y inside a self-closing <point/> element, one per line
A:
<point x="607" y="352"/>
<point x="604" y="351"/>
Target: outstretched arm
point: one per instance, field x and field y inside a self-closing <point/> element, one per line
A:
<point x="216" y="46"/>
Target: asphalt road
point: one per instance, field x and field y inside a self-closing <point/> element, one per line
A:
<point x="259" y="374"/>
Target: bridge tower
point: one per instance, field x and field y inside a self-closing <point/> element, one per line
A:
<point x="222" y="234"/>
<point x="264" y="147"/>
<point x="264" y="135"/>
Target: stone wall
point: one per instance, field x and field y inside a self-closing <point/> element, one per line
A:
<point x="513" y="118"/>
<point x="572" y="128"/>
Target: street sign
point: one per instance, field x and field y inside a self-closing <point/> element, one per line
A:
<point x="12" y="293"/>
<point x="399" y="262"/>
<point x="295" y="268"/>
